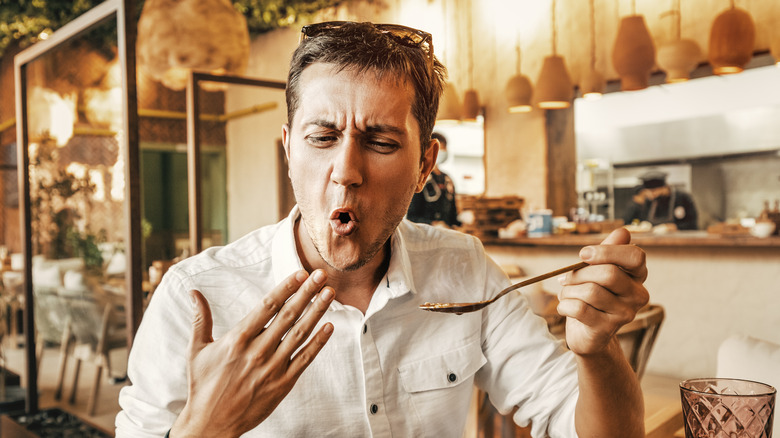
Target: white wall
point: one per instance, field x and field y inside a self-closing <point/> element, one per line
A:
<point x="704" y="117"/>
<point x="252" y="149"/>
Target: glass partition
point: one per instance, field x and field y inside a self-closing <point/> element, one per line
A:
<point x="465" y="162"/>
<point x="234" y="165"/>
<point x="75" y="131"/>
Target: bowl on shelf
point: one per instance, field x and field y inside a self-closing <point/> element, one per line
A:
<point x="763" y="229"/>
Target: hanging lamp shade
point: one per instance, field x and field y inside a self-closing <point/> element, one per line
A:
<point x="678" y="59"/>
<point x="177" y="37"/>
<point x="592" y="85"/>
<point x="633" y="54"/>
<point x="449" y="105"/>
<point x="732" y="37"/>
<point x="554" y="89"/>
<point x="470" y="105"/>
<point x="774" y="49"/>
<point x="519" y="93"/>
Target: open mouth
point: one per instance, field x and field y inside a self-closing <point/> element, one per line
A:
<point x="343" y="221"/>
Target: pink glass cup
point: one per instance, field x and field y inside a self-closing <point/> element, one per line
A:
<point x="727" y="408"/>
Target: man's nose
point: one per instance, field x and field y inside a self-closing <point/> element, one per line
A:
<point x="348" y="163"/>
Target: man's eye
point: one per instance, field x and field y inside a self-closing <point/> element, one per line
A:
<point x="321" y="140"/>
<point x="382" y="146"/>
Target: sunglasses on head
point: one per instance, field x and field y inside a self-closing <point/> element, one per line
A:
<point x="407" y="36"/>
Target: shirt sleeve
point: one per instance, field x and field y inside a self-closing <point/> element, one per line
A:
<point x="157" y="364"/>
<point x="527" y="369"/>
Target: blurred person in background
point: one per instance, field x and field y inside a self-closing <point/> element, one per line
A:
<point x="435" y="204"/>
<point x="659" y="203"/>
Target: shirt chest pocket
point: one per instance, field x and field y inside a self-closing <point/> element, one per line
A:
<point x="442" y="371"/>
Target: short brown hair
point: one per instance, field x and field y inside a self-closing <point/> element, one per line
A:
<point x="363" y="47"/>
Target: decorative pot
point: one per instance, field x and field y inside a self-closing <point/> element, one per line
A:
<point x="633" y="54"/>
<point x="732" y="37"/>
<point x="678" y="59"/>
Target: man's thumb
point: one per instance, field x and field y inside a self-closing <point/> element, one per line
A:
<point x="201" y="322"/>
<point x="619" y="236"/>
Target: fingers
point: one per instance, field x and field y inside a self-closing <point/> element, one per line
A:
<point x="202" y="323"/>
<point x="299" y="332"/>
<point x="307" y="354"/>
<point x="599" y="321"/>
<point x="616" y="250"/>
<point x="254" y="323"/>
<point x="619" y="236"/>
<point x="577" y="301"/>
<point x="292" y="310"/>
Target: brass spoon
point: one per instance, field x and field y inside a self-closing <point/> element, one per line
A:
<point x="459" y="308"/>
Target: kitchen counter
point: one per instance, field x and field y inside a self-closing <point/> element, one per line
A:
<point x="678" y="238"/>
<point x="710" y="287"/>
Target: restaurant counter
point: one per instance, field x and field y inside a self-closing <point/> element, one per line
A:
<point x="710" y="287"/>
<point x="678" y="238"/>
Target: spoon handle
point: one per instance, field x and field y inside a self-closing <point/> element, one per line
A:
<point x="539" y="278"/>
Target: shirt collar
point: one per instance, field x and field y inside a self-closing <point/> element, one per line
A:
<point x="286" y="261"/>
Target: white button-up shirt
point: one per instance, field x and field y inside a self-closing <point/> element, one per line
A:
<point x="395" y="371"/>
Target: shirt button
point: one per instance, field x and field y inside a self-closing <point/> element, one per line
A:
<point x="365" y="328"/>
<point x="452" y="377"/>
<point x="374" y="409"/>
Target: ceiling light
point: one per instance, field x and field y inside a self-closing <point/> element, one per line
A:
<point x="732" y="37"/>
<point x="519" y="92"/>
<point x="681" y="56"/>
<point x="633" y="55"/>
<point x="470" y="98"/>
<point x="554" y="89"/>
<point x="592" y="83"/>
<point x="449" y="105"/>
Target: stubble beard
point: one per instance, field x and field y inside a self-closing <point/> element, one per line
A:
<point x="389" y="223"/>
<point x="390" y="219"/>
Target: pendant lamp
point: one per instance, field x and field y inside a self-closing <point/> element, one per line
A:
<point x="519" y="90"/>
<point x="177" y="37"/>
<point x="554" y="89"/>
<point x="774" y="49"/>
<point x="519" y="93"/>
<point x="449" y="105"/>
<point x="633" y="54"/>
<point x="679" y="57"/>
<point x="592" y="83"/>
<point x="470" y="98"/>
<point x="732" y="37"/>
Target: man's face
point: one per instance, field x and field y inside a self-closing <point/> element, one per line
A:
<point x="354" y="159"/>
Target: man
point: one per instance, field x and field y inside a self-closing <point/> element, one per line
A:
<point x="659" y="203"/>
<point x="435" y="203"/>
<point x="312" y="327"/>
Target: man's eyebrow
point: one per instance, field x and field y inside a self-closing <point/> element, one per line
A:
<point x="381" y="128"/>
<point x="371" y="129"/>
<point x="323" y="123"/>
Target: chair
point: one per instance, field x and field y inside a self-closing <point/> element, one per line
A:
<point x="746" y="357"/>
<point x="12" y="297"/>
<point x="50" y="321"/>
<point x="93" y="329"/>
<point x="636" y="339"/>
<point x="638" y="336"/>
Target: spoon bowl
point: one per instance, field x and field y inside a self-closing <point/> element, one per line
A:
<point x="459" y="308"/>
